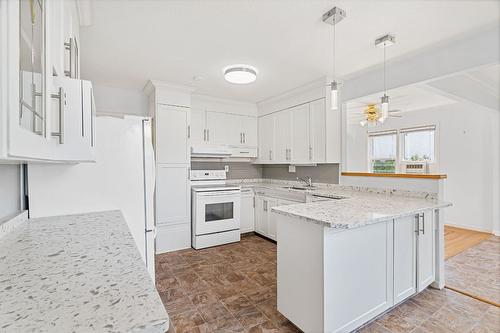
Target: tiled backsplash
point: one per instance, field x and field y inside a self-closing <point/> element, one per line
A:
<point x="322" y="173"/>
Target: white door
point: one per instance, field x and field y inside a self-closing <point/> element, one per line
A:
<point x="197" y="127"/>
<point x="173" y="204"/>
<point x="317" y="131"/>
<point x="300" y="134"/>
<point x="260" y="215"/>
<point x="249" y="129"/>
<point x="247" y="220"/>
<point x="266" y="138"/>
<point x="271" y="220"/>
<point x="405" y="258"/>
<point x="171" y="134"/>
<point x="426" y="250"/>
<point x="282" y="136"/>
<point x="223" y="128"/>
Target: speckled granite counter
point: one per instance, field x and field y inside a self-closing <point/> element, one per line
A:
<point x="77" y="273"/>
<point x="361" y="206"/>
<point x="358" y="210"/>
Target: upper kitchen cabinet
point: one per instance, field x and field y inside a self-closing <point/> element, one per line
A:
<point x="223" y="123"/>
<point x="305" y="129"/>
<point x="44" y="116"/>
<point x="172" y="134"/>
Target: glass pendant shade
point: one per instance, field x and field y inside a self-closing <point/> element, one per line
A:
<point x="384" y="108"/>
<point x="334" y="96"/>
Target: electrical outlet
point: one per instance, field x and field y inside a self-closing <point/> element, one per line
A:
<point x="226" y="168"/>
<point x="291" y="168"/>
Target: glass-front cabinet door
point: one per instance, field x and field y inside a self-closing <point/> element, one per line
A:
<point x="31" y="66"/>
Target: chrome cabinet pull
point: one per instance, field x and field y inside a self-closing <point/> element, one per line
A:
<point x="92" y="118"/>
<point x="310" y="153"/>
<point x="204" y="135"/>
<point x="265" y="205"/>
<point x="423" y="223"/>
<point x="68" y="46"/>
<point x="244" y="138"/>
<point x="189" y="131"/>
<point x="61" y="96"/>
<point x="417" y="223"/>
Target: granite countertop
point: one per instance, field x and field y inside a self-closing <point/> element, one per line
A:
<point x="76" y="273"/>
<point x="360" y="206"/>
<point x="359" y="209"/>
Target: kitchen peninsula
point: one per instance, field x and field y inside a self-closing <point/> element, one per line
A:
<point x="343" y="262"/>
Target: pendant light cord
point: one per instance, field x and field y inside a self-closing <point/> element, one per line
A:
<point x="385" y="87"/>
<point x="334" y="55"/>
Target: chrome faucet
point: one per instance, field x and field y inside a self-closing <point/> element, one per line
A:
<point x="308" y="181"/>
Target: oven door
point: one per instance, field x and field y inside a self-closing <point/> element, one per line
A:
<point x="217" y="211"/>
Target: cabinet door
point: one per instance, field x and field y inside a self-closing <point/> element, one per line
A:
<point x="426" y="250"/>
<point x="173" y="196"/>
<point x="249" y="129"/>
<point x="266" y="138"/>
<point x="171" y="134"/>
<point x="271" y="220"/>
<point x="197" y="127"/>
<point x="317" y="131"/>
<point x="282" y="137"/>
<point x="223" y="128"/>
<point x="261" y="215"/>
<point x="247" y="218"/>
<point x="405" y="258"/>
<point x="300" y="134"/>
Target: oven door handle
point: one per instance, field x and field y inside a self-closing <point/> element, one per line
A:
<point x="218" y="193"/>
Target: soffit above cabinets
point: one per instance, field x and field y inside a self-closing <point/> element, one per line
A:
<point x="132" y="41"/>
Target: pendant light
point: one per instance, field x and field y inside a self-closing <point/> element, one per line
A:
<point x="334" y="16"/>
<point x="384" y="42"/>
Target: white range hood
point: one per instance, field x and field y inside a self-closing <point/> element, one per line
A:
<point x="211" y="151"/>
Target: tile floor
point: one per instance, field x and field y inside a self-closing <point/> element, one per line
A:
<point x="232" y="288"/>
<point x="477" y="270"/>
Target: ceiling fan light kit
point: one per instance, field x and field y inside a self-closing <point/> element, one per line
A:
<point x="332" y="17"/>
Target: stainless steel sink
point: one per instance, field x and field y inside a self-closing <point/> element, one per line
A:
<point x="300" y="188"/>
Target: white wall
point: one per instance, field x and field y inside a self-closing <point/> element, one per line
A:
<point x="10" y="195"/>
<point x="120" y="101"/>
<point x="468" y="150"/>
<point x="207" y="103"/>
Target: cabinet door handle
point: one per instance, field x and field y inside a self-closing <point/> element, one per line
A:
<point x="208" y="134"/>
<point x="265" y="205"/>
<point x="244" y="138"/>
<point x="61" y="96"/>
<point x="310" y="153"/>
<point x="417" y="224"/>
<point x="68" y="46"/>
<point x="92" y="118"/>
<point x="423" y="223"/>
<point x="189" y="131"/>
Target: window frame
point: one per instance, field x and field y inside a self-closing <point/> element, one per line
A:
<point x="399" y="132"/>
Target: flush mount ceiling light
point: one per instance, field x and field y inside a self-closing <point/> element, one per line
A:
<point x="240" y="74"/>
<point x="334" y="16"/>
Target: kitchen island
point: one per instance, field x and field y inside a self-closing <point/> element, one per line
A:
<point x="343" y="262"/>
<point x="76" y="273"/>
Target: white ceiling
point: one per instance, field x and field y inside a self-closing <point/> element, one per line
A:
<point x="130" y="42"/>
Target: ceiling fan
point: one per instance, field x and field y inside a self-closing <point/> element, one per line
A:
<point x="371" y="115"/>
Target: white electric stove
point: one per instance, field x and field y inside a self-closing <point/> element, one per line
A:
<point x="215" y="209"/>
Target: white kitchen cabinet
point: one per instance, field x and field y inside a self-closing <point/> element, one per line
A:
<point x="171" y="128"/>
<point x="299" y="132"/>
<point x="405" y="258"/>
<point x="317" y="131"/>
<point x="426" y="256"/>
<point x="223" y="129"/>
<point x="172" y="206"/>
<point x="271" y="221"/>
<point x="42" y="114"/>
<point x="261" y="224"/>
<point x="249" y="131"/>
<point x="282" y="137"/>
<point x="266" y="138"/>
<point x="247" y="218"/>
<point x="197" y="127"/>
<point x="300" y="148"/>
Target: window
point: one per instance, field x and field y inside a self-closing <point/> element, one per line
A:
<point x="383" y="149"/>
<point x="418" y="144"/>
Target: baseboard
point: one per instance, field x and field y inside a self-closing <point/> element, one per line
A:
<point x="470" y="229"/>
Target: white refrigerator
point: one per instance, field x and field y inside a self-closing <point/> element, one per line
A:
<point x="123" y="178"/>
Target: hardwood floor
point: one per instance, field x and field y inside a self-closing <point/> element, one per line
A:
<point x="457" y="240"/>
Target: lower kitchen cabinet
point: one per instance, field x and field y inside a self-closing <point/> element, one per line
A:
<point x="247" y="219"/>
<point x="265" y="221"/>
<point x="426" y="256"/>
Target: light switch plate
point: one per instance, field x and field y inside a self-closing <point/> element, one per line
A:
<point x="226" y="168"/>
<point x="291" y="168"/>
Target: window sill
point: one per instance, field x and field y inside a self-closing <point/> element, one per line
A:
<point x="396" y="175"/>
